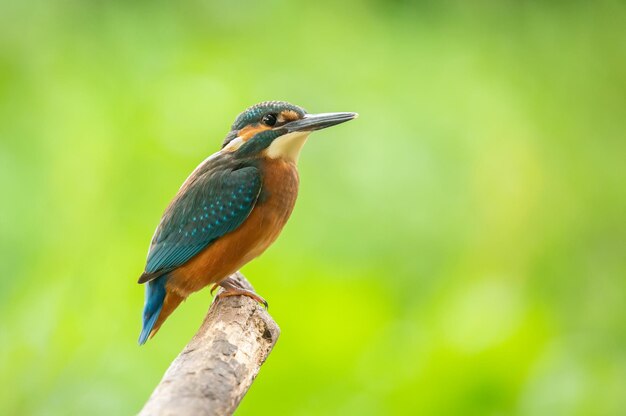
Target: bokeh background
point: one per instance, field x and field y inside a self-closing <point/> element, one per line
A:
<point x="457" y="250"/>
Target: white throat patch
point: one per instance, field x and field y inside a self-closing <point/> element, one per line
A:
<point x="288" y="146"/>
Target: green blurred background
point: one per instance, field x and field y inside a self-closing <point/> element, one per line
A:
<point x="457" y="250"/>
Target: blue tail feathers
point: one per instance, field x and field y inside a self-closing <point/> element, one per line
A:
<point x="155" y="294"/>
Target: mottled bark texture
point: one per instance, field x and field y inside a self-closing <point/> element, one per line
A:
<point x="215" y="370"/>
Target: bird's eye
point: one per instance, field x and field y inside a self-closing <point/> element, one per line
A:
<point x="269" y="119"/>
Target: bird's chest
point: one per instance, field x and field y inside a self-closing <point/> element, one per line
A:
<point x="280" y="188"/>
<point x="276" y="202"/>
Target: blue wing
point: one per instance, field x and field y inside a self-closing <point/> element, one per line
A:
<point x="209" y="205"/>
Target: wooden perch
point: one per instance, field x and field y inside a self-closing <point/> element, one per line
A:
<point x="215" y="370"/>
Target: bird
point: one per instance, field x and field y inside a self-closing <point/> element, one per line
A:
<point x="229" y="210"/>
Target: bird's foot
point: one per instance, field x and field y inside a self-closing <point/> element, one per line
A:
<point x="233" y="288"/>
<point x="226" y="283"/>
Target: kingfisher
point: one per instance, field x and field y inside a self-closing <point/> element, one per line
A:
<point x="230" y="209"/>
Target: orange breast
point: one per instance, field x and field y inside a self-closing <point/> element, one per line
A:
<point x="230" y="252"/>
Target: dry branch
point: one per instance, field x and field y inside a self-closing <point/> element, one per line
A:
<point x="215" y="370"/>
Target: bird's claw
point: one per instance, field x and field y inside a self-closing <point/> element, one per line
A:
<point x="234" y="288"/>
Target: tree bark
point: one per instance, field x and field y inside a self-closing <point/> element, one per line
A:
<point x="215" y="370"/>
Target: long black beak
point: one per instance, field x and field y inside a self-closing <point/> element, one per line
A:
<point x="311" y="122"/>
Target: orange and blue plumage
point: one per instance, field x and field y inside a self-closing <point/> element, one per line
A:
<point x="230" y="209"/>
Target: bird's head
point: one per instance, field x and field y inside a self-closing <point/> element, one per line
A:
<point x="277" y="130"/>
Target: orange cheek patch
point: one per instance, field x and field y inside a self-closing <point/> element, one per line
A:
<point x="249" y="132"/>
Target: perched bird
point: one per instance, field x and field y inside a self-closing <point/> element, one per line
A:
<point x="230" y="209"/>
